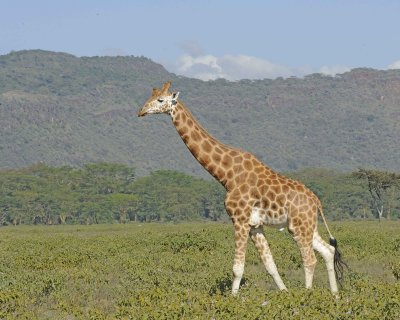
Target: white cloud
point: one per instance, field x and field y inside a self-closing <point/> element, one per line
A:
<point x="236" y="67"/>
<point x="203" y="67"/>
<point x="187" y="62"/>
<point x="395" y="65"/>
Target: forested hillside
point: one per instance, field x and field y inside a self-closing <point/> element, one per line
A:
<point x="63" y="110"/>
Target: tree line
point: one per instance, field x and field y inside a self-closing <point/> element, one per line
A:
<point x="112" y="193"/>
<point x="104" y="193"/>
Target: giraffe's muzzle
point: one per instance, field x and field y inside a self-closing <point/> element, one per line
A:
<point x="141" y="113"/>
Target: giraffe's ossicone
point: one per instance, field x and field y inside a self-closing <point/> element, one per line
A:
<point x="256" y="196"/>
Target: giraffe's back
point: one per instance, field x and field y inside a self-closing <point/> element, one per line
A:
<point x="265" y="197"/>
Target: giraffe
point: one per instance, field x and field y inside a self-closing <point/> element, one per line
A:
<point x="256" y="196"/>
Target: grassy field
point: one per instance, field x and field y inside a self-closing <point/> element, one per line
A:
<point x="183" y="271"/>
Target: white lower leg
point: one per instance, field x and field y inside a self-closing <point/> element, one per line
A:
<point x="327" y="253"/>
<point x="273" y="271"/>
<point x="309" y="275"/>
<point x="261" y="244"/>
<point x="332" y="276"/>
<point x="238" y="269"/>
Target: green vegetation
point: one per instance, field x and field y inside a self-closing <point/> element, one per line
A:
<point x="111" y="193"/>
<point x="67" y="112"/>
<point x="143" y="270"/>
<point x="104" y="193"/>
<point x="380" y="186"/>
<point x="63" y="110"/>
<point x="183" y="271"/>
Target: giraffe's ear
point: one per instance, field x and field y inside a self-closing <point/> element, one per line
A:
<point x="175" y="96"/>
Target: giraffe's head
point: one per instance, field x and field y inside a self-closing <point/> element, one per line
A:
<point x="161" y="101"/>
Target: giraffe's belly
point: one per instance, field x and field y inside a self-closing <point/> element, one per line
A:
<point x="260" y="216"/>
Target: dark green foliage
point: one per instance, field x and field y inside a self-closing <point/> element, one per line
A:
<point x="174" y="196"/>
<point x="383" y="188"/>
<point x="106" y="193"/>
<point x="103" y="193"/>
<point x="65" y="110"/>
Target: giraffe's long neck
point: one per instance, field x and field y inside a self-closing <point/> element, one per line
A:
<point x="215" y="157"/>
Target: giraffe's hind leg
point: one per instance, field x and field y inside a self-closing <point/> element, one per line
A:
<point x="309" y="262"/>
<point x="327" y="253"/>
<point x="261" y="244"/>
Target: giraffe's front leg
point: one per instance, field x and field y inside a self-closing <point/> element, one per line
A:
<point x="303" y="235"/>
<point x="261" y="244"/>
<point x="241" y="237"/>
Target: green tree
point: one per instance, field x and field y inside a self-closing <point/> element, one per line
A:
<point x="379" y="184"/>
<point x="122" y="205"/>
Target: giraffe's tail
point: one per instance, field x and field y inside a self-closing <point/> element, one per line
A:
<point x="338" y="262"/>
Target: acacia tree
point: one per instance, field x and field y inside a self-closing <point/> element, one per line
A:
<point x="122" y="204"/>
<point x="379" y="183"/>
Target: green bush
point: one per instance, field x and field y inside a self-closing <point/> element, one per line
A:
<point x="183" y="271"/>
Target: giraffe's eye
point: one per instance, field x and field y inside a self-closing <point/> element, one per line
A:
<point x="160" y="100"/>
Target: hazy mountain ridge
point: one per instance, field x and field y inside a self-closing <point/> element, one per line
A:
<point x="61" y="109"/>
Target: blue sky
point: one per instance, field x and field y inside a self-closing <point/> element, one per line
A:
<point x="209" y="39"/>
